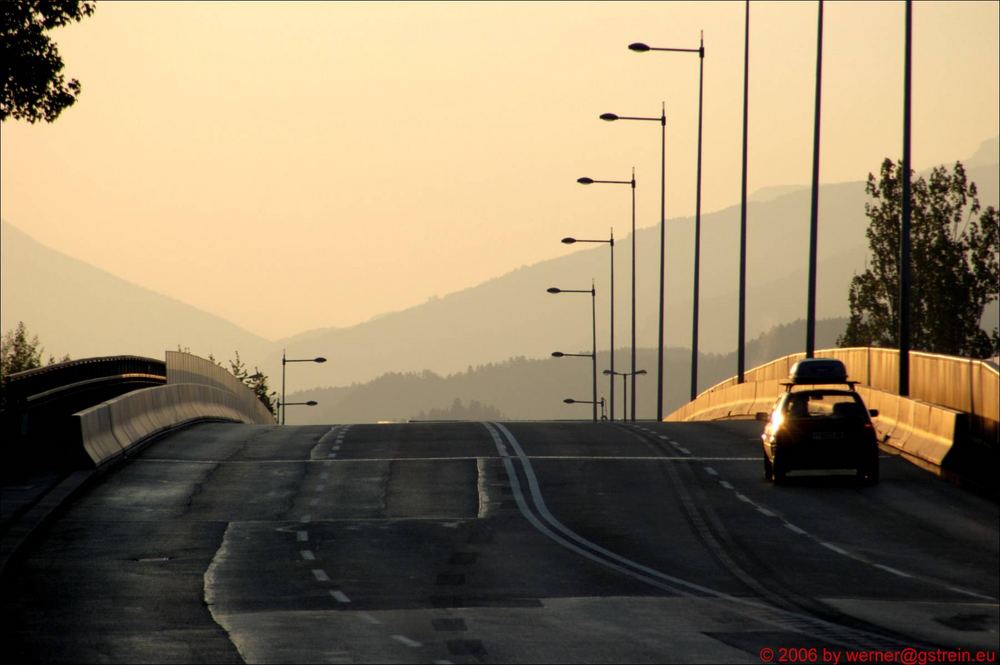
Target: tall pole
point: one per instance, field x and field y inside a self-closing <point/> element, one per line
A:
<point x="814" y="210"/>
<point x="633" y="293"/>
<point x="612" y="382"/>
<point x="697" y="231"/>
<point x="663" y="237"/>
<point x="904" y="231"/>
<point x="741" y="336"/>
<point x="283" y="409"/>
<point x="593" y="356"/>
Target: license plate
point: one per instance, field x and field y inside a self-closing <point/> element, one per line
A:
<point x="826" y="436"/>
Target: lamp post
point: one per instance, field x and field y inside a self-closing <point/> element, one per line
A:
<point x="904" y="229"/>
<point x="741" y="316"/>
<point x="624" y="376"/>
<point x="611" y="117"/>
<point x="611" y="243"/>
<point x="593" y="319"/>
<point x="570" y="400"/>
<point x="591" y="181"/>
<point x="642" y="48"/>
<point x="814" y="204"/>
<point x="285" y="361"/>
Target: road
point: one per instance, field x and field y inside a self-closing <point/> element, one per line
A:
<point x="499" y="543"/>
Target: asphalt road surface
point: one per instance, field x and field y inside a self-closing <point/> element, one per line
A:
<point x="499" y="543"/>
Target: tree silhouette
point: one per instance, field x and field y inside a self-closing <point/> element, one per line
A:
<point x="33" y="85"/>
<point x="955" y="246"/>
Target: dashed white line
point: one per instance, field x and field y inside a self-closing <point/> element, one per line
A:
<point x="969" y="593"/>
<point x="726" y="484"/>
<point x="307" y="555"/>
<point x="369" y="618"/>
<point x="684" y="450"/>
<point x="302" y="536"/>
<point x="792" y="527"/>
<point x="710" y="471"/>
<point x="340" y="596"/>
<point x="406" y="641"/>
<point x="744" y="499"/>
<point x="765" y="511"/>
<point x="320" y="575"/>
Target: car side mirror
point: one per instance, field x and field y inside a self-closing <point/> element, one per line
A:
<point x="873" y="413"/>
<point x="762" y="416"/>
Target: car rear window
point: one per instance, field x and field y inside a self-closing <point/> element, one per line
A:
<point x="820" y="405"/>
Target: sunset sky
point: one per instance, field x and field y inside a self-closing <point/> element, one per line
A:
<point x="294" y="166"/>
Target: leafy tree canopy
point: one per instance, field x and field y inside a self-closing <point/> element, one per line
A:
<point x="954" y="272"/>
<point x="33" y="85"/>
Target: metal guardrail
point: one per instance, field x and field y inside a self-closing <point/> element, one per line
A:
<point x="22" y="387"/>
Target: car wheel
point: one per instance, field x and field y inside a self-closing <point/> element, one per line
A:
<point x="778" y="469"/>
<point x="868" y="472"/>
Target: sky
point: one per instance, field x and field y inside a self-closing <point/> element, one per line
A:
<point x="295" y="166"/>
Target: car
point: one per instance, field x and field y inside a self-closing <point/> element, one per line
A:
<point x="816" y="425"/>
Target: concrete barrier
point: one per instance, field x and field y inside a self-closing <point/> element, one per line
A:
<point x="112" y="428"/>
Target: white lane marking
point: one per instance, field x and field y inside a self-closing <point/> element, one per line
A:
<point x="662" y="436"/>
<point x="833" y="547"/>
<point x="892" y="570"/>
<point x="726" y="484"/>
<point x="970" y="593"/>
<point x="307" y="555"/>
<point x="792" y="527"/>
<point x="684" y="450"/>
<point x="305" y="519"/>
<point x="325" y="475"/>
<point x="765" y="511"/>
<point x="443" y="662"/>
<point x="710" y="471"/>
<point x="744" y="499"/>
<point x="333" y="430"/>
<point x="302" y="536"/>
<point x="320" y="575"/>
<point x="340" y="596"/>
<point x="369" y="618"/>
<point x="406" y="641"/>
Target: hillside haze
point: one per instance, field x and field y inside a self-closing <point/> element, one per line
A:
<point x="81" y="310"/>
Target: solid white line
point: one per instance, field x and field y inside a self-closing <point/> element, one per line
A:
<point x="406" y="641"/>
<point x="340" y="596"/>
<point x="892" y="570"/>
<point x="302" y="536"/>
<point x="307" y="555"/>
<point x="792" y="527"/>
<point x="320" y="575"/>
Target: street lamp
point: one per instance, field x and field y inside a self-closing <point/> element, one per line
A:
<point x="593" y="318"/>
<point x="285" y="361"/>
<point x="624" y="376"/>
<point x="570" y="400"/>
<point x="643" y="48"/>
<point x="591" y="181"/>
<point x="611" y="243"/>
<point x="611" y="117"/>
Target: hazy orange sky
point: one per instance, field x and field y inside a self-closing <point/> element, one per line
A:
<point x="294" y="166"/>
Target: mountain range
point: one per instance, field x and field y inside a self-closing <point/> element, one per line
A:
<point x="79" y="309"/>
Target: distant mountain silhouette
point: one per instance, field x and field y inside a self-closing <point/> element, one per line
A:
<point x="81" y="310"/>
<point x="533" y="389"/>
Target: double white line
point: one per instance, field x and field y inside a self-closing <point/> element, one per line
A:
<point x="539" y="516"/>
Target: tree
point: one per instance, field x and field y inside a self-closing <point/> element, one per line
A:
<point x="257" y="382"/>
<point x="33" y="85"/>
<point x="955" y="247"/>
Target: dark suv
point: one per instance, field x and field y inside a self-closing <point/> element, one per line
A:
<point x="815" y="427"/>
